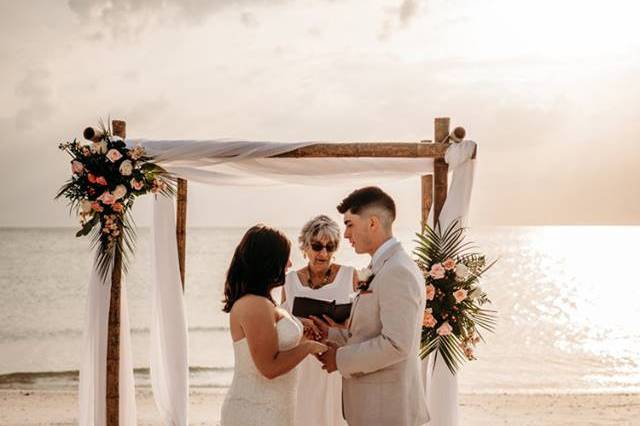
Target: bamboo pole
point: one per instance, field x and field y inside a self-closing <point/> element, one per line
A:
<point x="113" y="336"/>
<point x="427" y="195"/>
<point x="440" y="167"/>
<point x="181" y="226"/>
<point x="427" y="198"/>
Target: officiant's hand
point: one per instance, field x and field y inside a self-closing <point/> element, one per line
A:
<point x="328" y="322"/>
<point x="321" y="326"/>
<point x="328" y="358"/>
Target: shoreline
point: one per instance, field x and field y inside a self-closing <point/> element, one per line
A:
<point x="59" y="407"/>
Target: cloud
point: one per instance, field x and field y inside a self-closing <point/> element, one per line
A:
<point x="128" y="18"/>
<point x="248" y="19"/>
<point x="407" y="11"/>
<point x="36" y="96"/>
<point x="401" y="15"/>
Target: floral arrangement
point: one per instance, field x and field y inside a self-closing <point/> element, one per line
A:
<point x="454" y="311"/>
<point x="106" y="178"/>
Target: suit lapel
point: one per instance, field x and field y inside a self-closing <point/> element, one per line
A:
<point x="375" y="268"/>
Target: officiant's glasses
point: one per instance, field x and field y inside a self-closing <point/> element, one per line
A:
<point x="316" y="246"/>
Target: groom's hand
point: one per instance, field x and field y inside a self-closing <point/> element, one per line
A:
<point x="328" y="358"/>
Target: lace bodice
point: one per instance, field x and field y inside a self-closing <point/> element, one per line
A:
<point x="253" y="399"/>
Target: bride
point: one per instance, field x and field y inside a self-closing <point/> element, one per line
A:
<point x="267" y="342"/>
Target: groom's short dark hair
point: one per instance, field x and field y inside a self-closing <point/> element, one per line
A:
<point x="365" y="198"/>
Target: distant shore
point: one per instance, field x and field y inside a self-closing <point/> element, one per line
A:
<point x="60" y="407"/>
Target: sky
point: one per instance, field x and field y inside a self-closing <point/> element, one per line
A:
<point x="549" y="89"/>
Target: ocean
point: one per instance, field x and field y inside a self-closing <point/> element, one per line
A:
<point x="568" y="302"/>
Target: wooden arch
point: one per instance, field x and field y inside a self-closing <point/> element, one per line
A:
<point x="433" y="194"/>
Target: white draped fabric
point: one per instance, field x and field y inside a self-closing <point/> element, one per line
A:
<point x="441" y="386"/>
<point x="168" y="355"/>
<point x="93" y="369"/>
<point x="225" y="162"/>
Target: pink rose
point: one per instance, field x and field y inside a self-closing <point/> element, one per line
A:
<point x="77" y="167"/>
<point x="437" y="271"/>
<point x="428" y="320"/>
<point x="460" y="295"/>
<point x="444" y="330"/>
<point x="136" y="184"/>
<point x="114" y="155"/>
<point x="101" y="181"/>
<point x="431" y="292"/>
<point x="96" y="206"/>
<point x="449" y="264"/>
<point x="107" y="198"/>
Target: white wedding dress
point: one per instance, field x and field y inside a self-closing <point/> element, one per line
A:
<point x="254" y="400"/>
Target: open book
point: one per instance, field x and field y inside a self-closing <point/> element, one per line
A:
<point x="305" y="306"/>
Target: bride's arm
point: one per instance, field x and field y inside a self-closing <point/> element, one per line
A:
<point x="257" y="318"/>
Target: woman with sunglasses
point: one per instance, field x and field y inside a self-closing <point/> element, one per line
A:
<point x="319" y="395"/>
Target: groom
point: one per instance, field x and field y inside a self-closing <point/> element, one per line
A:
<point x="376" y="351"/>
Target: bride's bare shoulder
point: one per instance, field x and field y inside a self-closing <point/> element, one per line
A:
<point x="251" y="303"/>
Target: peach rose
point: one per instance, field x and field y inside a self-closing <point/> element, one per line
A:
<point x="117" y="207"/>
<point x="91" y="178"/>
<point x="428" y="320"/>
<point x="96" y="206"/>
<point x="136" y="184"/>
<point x="107" y="198"/>
<point x="444" y="330"/>
<point x="449" y="264"/>
<point x="460" y="295"/>
<point x="114" y="155"/>
<point x="437" y="271"/>
<point x="101" y="181"/>
<point x="431" y="292"/>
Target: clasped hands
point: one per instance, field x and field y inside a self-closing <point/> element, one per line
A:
<point x="317" y="329"/>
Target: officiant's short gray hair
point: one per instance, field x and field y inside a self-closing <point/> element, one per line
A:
<point x="317" y="228"/>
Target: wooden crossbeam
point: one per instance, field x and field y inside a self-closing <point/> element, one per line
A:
<point x="370" y="150"/>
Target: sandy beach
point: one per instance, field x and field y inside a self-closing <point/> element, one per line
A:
<point x="59" y="407"/>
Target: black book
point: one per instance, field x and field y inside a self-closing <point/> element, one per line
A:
<point x="305" y="306"/>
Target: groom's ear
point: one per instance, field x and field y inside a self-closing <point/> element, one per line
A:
<point x="374" y="222"/>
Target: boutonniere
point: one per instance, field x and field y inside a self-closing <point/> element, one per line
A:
<point x="365" y="276"/>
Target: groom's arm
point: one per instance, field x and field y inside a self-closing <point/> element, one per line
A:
<point x="400" y="303"/>
<point x="337" y="336"/>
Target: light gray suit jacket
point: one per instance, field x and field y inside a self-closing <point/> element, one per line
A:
<point x="378" y="358"/>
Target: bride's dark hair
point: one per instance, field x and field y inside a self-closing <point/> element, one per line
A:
<point x="258" y="265"/>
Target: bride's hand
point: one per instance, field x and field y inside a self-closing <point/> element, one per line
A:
<point x="315" y="348"/>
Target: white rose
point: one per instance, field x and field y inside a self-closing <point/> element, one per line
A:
<point x="99" y="147"/>
<point x="364" y="274"/>
<point x="119" y="192"/>
<point x="475" y="293"/>
<point x="86" y="206"/>
<point x="126" y="168"/>
<point x="462" y="272"/>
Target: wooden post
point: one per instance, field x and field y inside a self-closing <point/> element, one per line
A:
<point x="441" y="135"/>
<point x="427" y="195"/>
<point x="113" y="336"/>
<point x="181" y="225"/>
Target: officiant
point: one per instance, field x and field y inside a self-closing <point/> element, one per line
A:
<point x="319" y="395"/>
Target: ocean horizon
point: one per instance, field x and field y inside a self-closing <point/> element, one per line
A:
<point x="565" y="297"/>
